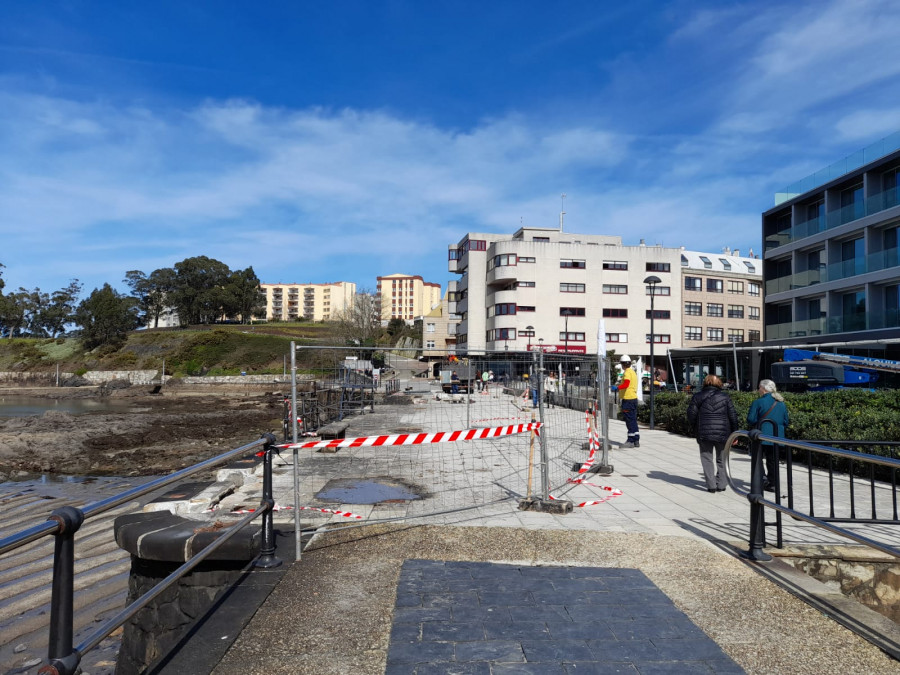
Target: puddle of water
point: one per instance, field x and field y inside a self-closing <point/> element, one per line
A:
<point x="359" y="491"/>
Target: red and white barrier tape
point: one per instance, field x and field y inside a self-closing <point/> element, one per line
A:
<point x="593" y="443"/>
<point x="417" y="439"/>
<point x="615" y="492"/>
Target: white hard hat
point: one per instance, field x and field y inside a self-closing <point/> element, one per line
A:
<point x="625" y="359"/>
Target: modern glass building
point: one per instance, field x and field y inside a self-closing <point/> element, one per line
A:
<point x="830" y="260"/>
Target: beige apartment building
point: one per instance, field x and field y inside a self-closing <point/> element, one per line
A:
<point x="313" y="302"/>
<point x="439" y="329"/>
<point x="722" y="298"/>
<point x="401" y="296"/>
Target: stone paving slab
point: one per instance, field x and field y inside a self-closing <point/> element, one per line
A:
<point x="480" y="617"/>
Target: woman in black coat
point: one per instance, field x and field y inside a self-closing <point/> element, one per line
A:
<point x="711" y="413"/>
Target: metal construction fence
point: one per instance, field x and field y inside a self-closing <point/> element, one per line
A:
<point x="446" y="432"/>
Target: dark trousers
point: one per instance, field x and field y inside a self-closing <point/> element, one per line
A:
<point x="771" y="463"/>
<point x="629" y="412"/>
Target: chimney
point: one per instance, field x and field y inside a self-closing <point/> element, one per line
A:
<point x="726" y="250"/>
<point x="642" y="243"/>
<point x="737" y="253"/>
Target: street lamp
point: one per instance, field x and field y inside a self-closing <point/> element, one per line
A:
<point x="566" y="311"/>
<point x="530" y="330"/>
<point x="651" y="282"/>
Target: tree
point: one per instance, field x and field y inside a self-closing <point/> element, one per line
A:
<point x="244" y="289"/>
<point x="199" y="294"/>
<point x="106" y="316"/>
<point x="359" y="324"/>
<point x="153" y="293"/>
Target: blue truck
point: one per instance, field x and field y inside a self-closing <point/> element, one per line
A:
<point x="822" y="370"/>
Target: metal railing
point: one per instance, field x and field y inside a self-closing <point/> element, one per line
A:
<point x="64" y="657"/>
<point x="758" y="501"/>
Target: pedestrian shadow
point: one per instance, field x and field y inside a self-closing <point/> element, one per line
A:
<point x="695" y="483"/>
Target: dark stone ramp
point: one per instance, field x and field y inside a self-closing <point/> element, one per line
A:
<point x="478" y="617"/>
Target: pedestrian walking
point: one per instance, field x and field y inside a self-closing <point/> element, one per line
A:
<point x="628" y="391"/>
<point x="712" y="415"/>
<point x="478" y="379"/>
<point x="769" y="414"/>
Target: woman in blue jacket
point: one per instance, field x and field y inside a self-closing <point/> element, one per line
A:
<point x="769" y="414"/>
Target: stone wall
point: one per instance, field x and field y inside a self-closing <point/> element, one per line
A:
<point x="142" y="377"/>
<point x="867" y="575"/>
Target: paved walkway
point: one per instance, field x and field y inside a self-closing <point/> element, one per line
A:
<point x="653" y="573"/>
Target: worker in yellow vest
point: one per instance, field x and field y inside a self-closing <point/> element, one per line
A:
<point x="628" y="393"/>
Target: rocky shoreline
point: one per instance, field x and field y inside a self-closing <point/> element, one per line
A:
<point x="154" y="434"/>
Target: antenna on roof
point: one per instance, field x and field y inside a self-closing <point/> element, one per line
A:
<point x="562" y="211"/>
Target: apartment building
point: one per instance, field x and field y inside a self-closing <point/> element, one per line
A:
<point x="830" y="259"/>
<point x="401" y="296"/>
<point x="551" y="288"/>
<point x="722" y="298"/>
<point x="439" y="330"/>
<point x="313" y="302"/>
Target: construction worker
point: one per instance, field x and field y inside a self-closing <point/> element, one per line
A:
<point x="628" y="393"/>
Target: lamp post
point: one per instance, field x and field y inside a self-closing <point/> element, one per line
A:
<point x="566" y="312"/>
<point x="530" y="330"/>
<point x="651" y="282"/>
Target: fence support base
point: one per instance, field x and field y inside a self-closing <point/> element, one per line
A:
<point x="602" y="469"/>
<point x="557" y="506"/>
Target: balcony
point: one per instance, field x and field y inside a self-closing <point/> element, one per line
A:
<point x="882" y="260"/>
<point x="834" y="325"/>
<point x="876" y="203"/>
<point x="502" y="274"/>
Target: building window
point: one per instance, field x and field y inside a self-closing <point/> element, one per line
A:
<point x="615" y="289"/>
<point x="429" y="344"/>
<point x="542" y="240"/>
<point x="571" y="311"/>
<point x="714" y="309"/>
<point x="693" y="308"/>
<point x="658" y="290"/>
<point x="571" y="264"/>
<point x="615" y="265"/>
<point x="707" y="263"/>
<point x="506" y="259"/>
<point x="693" y="333"/>
<point x="526" y="259"/>
<point x="754" y="313"/>
<point x="684" y="260"/>
<point x="735" y="311"/>
<point x="658" y="267"/>
<point x="526" y="333"/>
<point x="693" y="284"/>
<point x="617" y="337"/>
<point x="753" y="289"/>
<point x="736" y="287"/>
<point x="429" y="327"/>
<point x="753" y="335"/>
<point x="571" y="336"/>
<point x="715" y="334"/>
<point x="713" y="285"/>
<point x="659" y="339"/>
<point x="735" y="335"/>
<point x="660" y="314"/>
<point x="750" y="267"/>
<point x="524" y="308"/>
<point x="525" y="284"/>
<point x="571" y="288"/>
<point x="613" y="313"/>
<point x="502" y="309"/>
<point x="725" y="264"/>
<point x="475" y="245"/>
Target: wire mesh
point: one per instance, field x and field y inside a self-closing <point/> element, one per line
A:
<point x="414" y="395"/>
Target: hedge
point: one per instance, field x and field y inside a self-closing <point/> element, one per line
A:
<point x="837" y="415"/>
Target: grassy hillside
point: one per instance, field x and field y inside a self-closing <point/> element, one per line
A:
<point x="212" y="350"/>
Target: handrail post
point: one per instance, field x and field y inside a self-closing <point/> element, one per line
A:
<point x="267" y="557"/>
<point x="60" y="650"/>
<point x="757" y="510"/>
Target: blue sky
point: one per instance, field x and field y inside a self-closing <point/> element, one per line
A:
<point x="345" y="140"/>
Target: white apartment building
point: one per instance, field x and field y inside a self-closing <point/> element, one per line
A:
<point x="313" y="302"/>
<point x="402" y="296"/>
<point x="723" y="300"/>
<point x="552" y="288"/>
